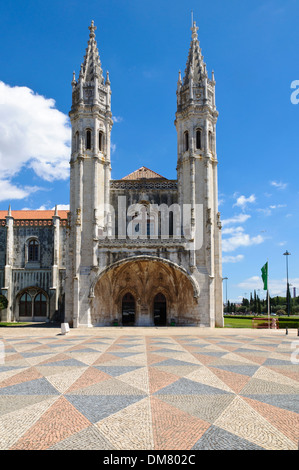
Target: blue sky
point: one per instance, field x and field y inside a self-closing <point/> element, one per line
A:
<point x="253" y="48"/>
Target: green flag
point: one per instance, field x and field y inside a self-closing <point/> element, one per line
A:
<point x="265" y="275"/>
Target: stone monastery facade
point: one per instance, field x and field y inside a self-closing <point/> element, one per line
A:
<point x="143" y="250"/>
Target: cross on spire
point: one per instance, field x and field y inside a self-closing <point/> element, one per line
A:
<point x="92" y="29"/>
<point x="194" y="30"/>
<point x="92" y="64"/>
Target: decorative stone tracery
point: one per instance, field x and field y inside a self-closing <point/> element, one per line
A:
<point x="144" y="277"/>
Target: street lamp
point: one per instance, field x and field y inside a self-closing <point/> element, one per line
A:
<point x="286" y="254"/>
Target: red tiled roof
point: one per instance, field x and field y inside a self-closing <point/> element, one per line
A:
<point x="34" y="214"/>
<point x="143" y="173"/>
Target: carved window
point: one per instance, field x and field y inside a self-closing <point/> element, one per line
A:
<point x="88" y="139"/>
<point x="101" y="141"/>
<point x="33" y="250"/>
<point x="186" y="141"/>
<point x="198" y="139"/>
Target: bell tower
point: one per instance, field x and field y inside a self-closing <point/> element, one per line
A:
<point x="90" y="172"/>
<point x="195" y="123"/>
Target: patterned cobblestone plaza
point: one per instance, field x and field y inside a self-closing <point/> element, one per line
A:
<point x="149" y="389"/>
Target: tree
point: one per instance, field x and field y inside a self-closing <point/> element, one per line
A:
<point x="259" y="308"/>
<point x="3" y="302"/>
<point x="281" y="312"/>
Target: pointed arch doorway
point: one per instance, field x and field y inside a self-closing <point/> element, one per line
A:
<point x="128" y="309"/>
<point x="160" y="310"/>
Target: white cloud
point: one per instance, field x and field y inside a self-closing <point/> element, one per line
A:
<point x="278" y="184"/>
<point x="236" y="236"/>
<point x="117" y="119"/>
<point x="62" y="207"/>
<point x="276" y="286"/>
<point x="278" y="206"/>
<point x="232" y="259"/>
<point x="9" y="191"/>
<point x="238" y="219"/>
<point x="239" y="238"/>
<point x="33" y="133"/>
<point x="44" y="207"/>
<point x="232" y="230"/>
<point x="268" y="210"/>
<point x="252" y="283"/>
<point x="242" y="201"/>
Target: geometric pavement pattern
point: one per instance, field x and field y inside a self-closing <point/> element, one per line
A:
<point x="147" y="392"/>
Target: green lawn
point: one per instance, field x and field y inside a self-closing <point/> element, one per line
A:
<point x="237" y="322"/>
<point x="243" y="322"/>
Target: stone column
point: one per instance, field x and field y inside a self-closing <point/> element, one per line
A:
<point x="8" y="266"/>
<point x="56" y="256"/>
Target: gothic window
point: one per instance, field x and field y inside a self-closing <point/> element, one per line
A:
<point x="186" y="143"/>
<point x="101" y="141"/>
<point x="33" y="303"/>
<point x="88" y="139"/>
<point x="40" y="305"/>
<point x="198" y="138"/>
<point x="25" y="306"/>
<point x="142" y="223"/>
<point x="33" y="250"/>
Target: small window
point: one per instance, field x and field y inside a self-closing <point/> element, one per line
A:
<point x="88" y="139"/>
<point x="210" y="140"/>
<point x="186" y="136"/>
<point x="77" y="141"/>
<point x="33" y="250"/>
<point x="101" y="141"/>
<point x="198" y="139"/>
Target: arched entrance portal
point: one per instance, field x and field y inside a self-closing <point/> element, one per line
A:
<point x="160" y="310"/>
<point x="128" y="309"/>
<point x="144" y="291"/>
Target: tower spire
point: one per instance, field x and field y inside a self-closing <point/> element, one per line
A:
<point x="92" y="64"/>
<point x="195" y="63"/>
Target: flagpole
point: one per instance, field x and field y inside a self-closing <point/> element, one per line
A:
<point x="268" y="294"/>
<point x="265" y="277"/>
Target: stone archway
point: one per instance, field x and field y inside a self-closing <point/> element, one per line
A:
<point x="143" y="278"/>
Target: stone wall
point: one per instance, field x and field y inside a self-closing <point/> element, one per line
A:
<point x="22" y="274"/>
